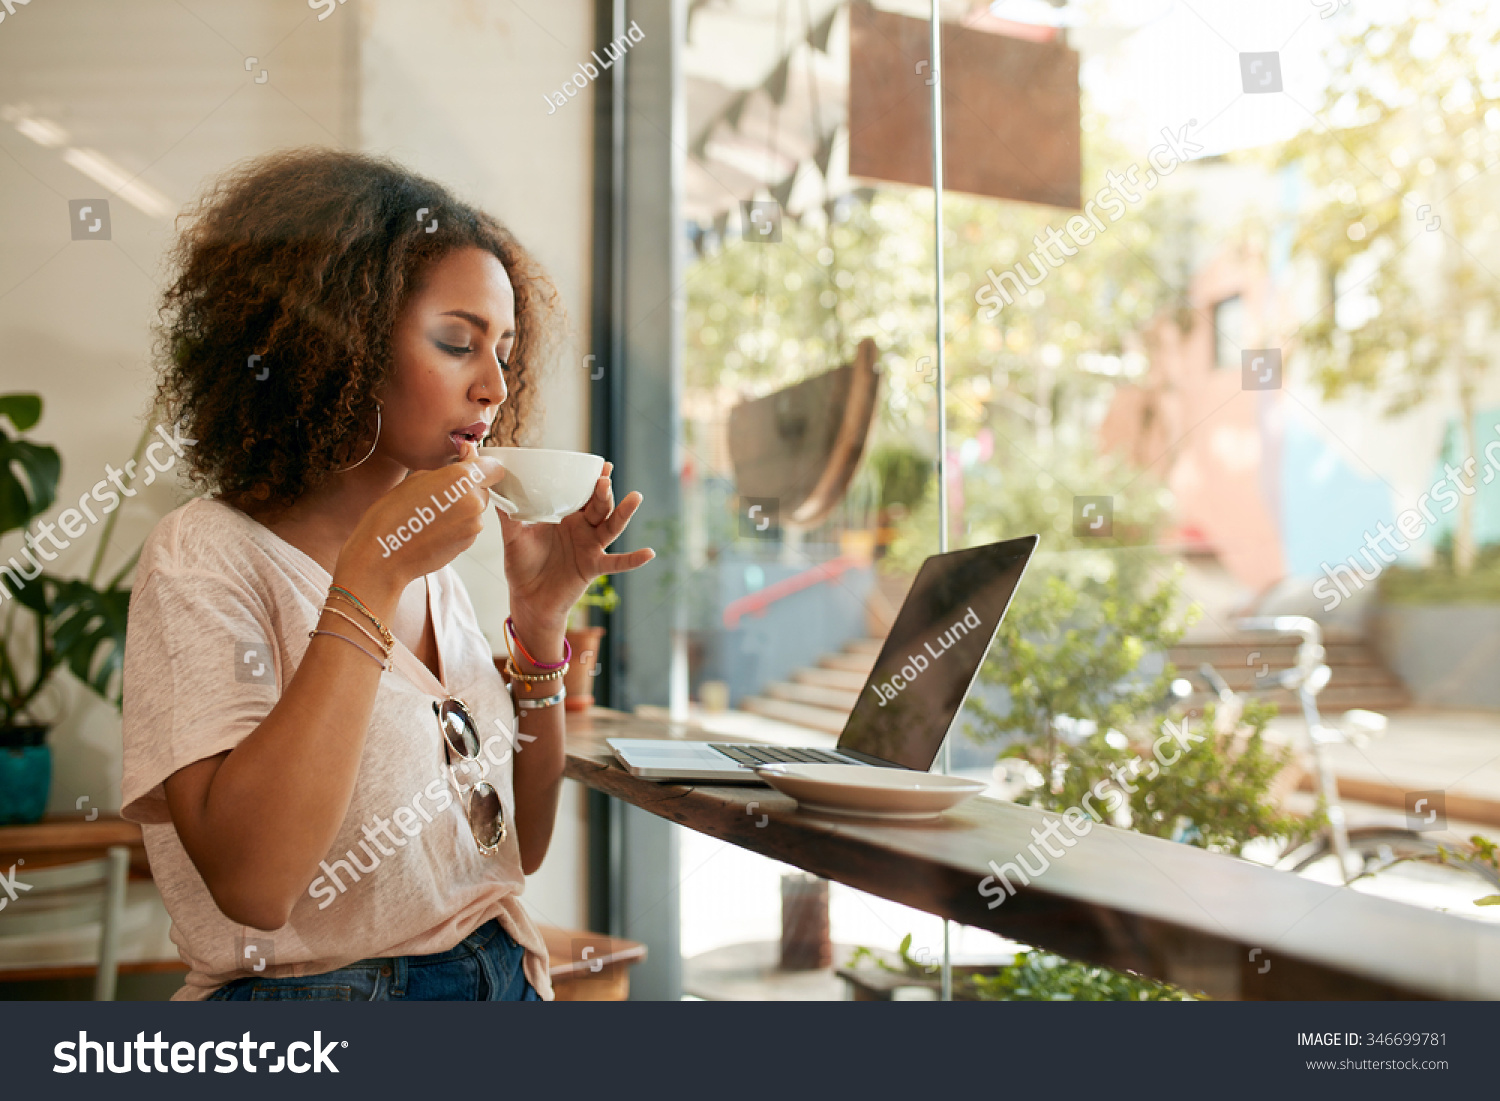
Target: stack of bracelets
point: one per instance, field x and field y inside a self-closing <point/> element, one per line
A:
<point x="386" y="641"/>
<point x="527" y="682"/>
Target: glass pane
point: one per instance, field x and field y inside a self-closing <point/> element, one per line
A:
<point x="1243" y="375"/>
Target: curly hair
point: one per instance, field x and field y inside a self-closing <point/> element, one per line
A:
<point x="305" y="259"/>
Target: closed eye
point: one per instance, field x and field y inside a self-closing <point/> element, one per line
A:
<point x="452" y="349"/>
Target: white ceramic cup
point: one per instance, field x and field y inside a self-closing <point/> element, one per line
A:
<point x="541" y="486"/>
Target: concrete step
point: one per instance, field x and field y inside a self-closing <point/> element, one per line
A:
<point x="831" y="678"/>
<point x="834" y="699"/>
<point x="1279" y="654"/>
<point x="815" y="718"/>
<point x="1209" y="633"/>
<point x="1331" y="701"/>
<point x="1242" y="678"/>
<point x="849" y="663"/>
<point x="1248" y="661"/>
<point x="870" y="646"/>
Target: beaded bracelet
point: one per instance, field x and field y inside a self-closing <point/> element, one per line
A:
<point x="386" y="664"/>
<point x="529" y="681"/>
<point x="516" y="674"/>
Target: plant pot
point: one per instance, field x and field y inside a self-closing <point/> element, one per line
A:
<point x="579" y="679"/>
<point x="25" y="774"/>
<point x="805" y="941"/>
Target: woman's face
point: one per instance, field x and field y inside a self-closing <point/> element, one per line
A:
<point x="448" y="343"/>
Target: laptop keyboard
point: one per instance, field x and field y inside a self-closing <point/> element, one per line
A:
<point x="753" y="755"/>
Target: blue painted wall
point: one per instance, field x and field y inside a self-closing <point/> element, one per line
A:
<point x="1327" y="502"/>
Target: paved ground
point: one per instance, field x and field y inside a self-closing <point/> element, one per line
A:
<point x="1453" y="750"/>
<point x="1456" y="753"/>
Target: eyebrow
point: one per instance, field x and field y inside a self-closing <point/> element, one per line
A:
<point x="476" y="320"/>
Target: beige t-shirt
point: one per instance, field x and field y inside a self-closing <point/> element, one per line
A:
<point x="218" y="624"/>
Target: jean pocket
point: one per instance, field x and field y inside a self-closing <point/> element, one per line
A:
<point x="264" y="991"/>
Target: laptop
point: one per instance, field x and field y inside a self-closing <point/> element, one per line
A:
<point x="920" y="679"/>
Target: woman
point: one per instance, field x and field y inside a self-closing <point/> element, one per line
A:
<point x="340" y="799"/>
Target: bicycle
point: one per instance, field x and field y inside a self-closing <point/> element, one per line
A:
<point x="1362" y="852"/>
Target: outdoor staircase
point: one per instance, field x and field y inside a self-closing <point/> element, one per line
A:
<point x="1250" y="662"/>
<point x="820" y="697"/>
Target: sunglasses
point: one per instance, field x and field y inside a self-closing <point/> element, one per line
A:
<point x="482" y="804"/>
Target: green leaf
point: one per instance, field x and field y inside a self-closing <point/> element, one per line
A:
<point x="89" y="634"/>
<point x="20" y="501"/>
<point x="24" y="410"/>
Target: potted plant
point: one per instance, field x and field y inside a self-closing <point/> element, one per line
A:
<point x="73" y="625"/>
<point x="584" y="641"/>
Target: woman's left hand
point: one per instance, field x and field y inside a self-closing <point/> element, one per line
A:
<point x="548" y="566"/>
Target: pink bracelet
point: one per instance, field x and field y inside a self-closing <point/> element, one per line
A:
<point x="510" y="630"/>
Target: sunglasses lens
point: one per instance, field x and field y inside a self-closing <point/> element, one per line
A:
<point x="486" y="816"/>
<point x="458" y="728"/>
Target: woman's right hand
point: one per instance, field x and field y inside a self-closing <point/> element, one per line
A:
<point x="424" y="523"/>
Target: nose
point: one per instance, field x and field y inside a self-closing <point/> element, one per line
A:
<point x="491" y="385"/>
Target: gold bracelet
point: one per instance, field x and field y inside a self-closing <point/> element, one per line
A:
<point x="385" y="665"/>
<point x="362" y="629"/>
<point x="336" y="590"/>
<point x="530" y="678"/>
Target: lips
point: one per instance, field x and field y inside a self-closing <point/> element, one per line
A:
<point x="472" y="432"/>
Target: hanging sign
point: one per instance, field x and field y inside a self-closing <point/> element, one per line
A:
<point x="1010" y="109"/>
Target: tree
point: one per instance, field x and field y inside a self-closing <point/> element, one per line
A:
<point x="762" y="316"/>
<point x="1402" y="221"/>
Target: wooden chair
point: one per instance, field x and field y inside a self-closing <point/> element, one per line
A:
<point x="67" y="896"/>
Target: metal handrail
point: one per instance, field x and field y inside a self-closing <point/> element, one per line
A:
<point x="757" y="602"/>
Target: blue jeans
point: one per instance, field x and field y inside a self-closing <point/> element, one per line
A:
<point x="485" y="966"/>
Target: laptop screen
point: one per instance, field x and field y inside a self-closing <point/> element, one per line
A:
<point x="934" y="651"/>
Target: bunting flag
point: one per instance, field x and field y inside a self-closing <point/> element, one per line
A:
<point x="775" y="84"/>
<point x="783" y="191"/>
<point x="817" y="38"/>
<point x="735" y="109"/>
<point x="698" y="149"/>
<point x="824" y="152"/>
<point x="692" y="11"/>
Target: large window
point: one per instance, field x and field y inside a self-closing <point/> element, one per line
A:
<point x="1152" y="361"/>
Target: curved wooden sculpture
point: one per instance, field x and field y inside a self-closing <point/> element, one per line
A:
<point x="802" y="445"/>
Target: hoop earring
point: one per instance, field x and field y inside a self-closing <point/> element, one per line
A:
<point x="372" y="443"/>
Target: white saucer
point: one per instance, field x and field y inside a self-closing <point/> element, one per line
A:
<point x="897" y="794"/>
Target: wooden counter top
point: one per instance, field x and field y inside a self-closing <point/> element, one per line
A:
<point x="1204" y="921"/>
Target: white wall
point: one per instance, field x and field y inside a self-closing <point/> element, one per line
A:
<point x="160" y="90"/>
<point x="454" y="90"/>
